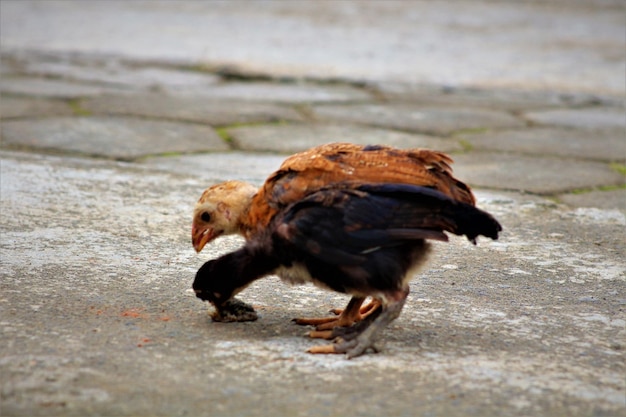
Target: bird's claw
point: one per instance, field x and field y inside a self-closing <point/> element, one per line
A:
<point x="321" y="334"/>
<point x="313" y="321"/>
<point x="234" y="310"/>
<point x="352" y="348"/>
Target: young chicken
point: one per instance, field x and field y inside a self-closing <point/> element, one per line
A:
<point x="360" y="239"/>
<point x="235" y="207"/>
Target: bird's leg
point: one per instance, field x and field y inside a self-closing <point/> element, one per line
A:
<point x="353" y="313"/>
<point x="348" y="316"/>
<point x="364" y="311"/>
<point x="350" y="323"/>
<point x="355" y="342"/>
<point x="347" y="332"/>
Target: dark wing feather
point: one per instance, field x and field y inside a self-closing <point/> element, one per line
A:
<point x="415" y="206"/>
<point x="343" y="225"/>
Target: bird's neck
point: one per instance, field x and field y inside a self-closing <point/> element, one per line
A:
<point x="241" y="210"/>
<point x="242" y="267"/>
<point x="255" y="216"/>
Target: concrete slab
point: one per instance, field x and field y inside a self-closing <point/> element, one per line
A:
<point x="50" y="88"/>
<point x="7" y="65"/>
<point x="595" y="117"/>
<point x="112" y="71"/>
<point x="293" y="93"/>
<point x="535" y="174"/>
<point x="598" y="144"/>
<point x="430" y="120"/>
<point x="470" y="43"/>
<point x="214" y="111"/>
<point x="97" y="316"/>
<point x="16" y="107"/>
<point x="211" y="168"/>
<point x="118" y="138"/>
<point x="295" y="138"/>
<point x="492" y="98"/>
<point x="602" y="199"/>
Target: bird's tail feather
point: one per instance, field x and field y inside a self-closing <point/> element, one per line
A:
<point x="472" y="222"/>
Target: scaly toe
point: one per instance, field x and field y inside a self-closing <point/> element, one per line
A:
<point x="322" y="349"/>
<point x="310" y="321"/>
<point x="321" y="334"/>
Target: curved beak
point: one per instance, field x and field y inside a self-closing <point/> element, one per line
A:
<point x="200" y="236"/>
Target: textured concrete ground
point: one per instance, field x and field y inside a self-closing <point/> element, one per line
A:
<point x="111" y="127"/>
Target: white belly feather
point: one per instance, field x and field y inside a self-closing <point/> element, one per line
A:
<point x="297" y="274"/>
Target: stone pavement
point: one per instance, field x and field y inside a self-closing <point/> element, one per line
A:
<point x="105" y="151"/>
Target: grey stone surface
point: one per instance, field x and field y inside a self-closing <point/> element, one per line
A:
<point x="201" y="109"/>
<point x="282" y="92"/>
<point x="598" y="144"/>
<point x="296" y="138"/>
<point x="536" y="174"/>
<point x="606" y="200"/>
<point x="596" y="117"/>
<point x="14" y="107"/>
<point x="492" y="98"/>
<point x="119" y="138"/>
<point x="432" y="120"/>
<point x="51" y="88"/>
<point x="217" y="167"/>
<point x="6" y="68"/>
<point x="98" y="318"/>
<point x="471" y="42"/>
<point x="112" y="71"/>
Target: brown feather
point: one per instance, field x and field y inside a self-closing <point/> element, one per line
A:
<point x="308" y="171"/>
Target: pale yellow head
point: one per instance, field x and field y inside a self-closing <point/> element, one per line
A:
<point x="219" y="211"/>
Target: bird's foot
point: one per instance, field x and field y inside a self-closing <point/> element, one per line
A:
<point x="351" y="315"/>
<point x="347" y="332"/>
<point x="353" y="340"/>
<point x="323" y="325"/>
<point x="357" y="339"/>
<point x="352" y="348"/>
<point x="327" y="323"/>
<point x="234" y="310"/>
<point x="364" y="311"/>
<point x="321" y="334"/>
<point x="313" y="321"/>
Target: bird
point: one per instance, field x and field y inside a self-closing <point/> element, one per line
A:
<point x="359" y="239"/>
<point x="236" y="207"/>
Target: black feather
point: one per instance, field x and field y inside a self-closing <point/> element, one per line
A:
<point x="359" y="240"/>
<point x="219" y="279"/>
<point x="382" y="214"/>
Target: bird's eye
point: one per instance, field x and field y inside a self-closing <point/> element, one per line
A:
<point x="206" y="217"/>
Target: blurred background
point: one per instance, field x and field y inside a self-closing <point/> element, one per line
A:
<point x="560" y="45"/>
<point x="527" y="96"/>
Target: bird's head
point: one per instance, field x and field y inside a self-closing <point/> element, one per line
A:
<point x="219" y="210"/>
